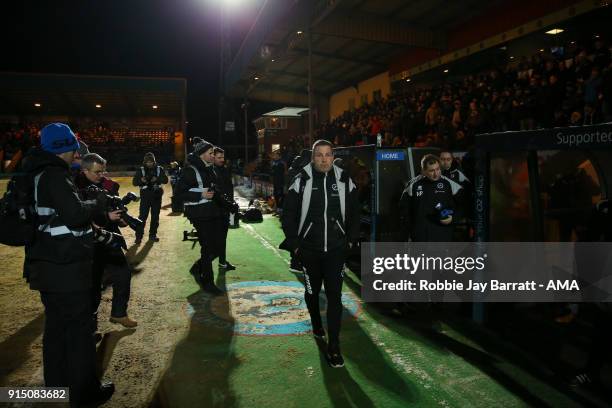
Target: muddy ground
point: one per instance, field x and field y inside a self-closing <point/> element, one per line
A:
<point x="133" y="358"/>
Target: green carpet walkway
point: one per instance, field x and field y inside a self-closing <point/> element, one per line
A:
<point x="237" y="351"/>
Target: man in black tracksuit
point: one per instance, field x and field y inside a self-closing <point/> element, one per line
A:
<point x="149" y="178"/>
<point x="320" y="221"/>
<point x="59" y="265"/>
<point x="107" y="257"/>
<point x="423" y="203"/>
<point x="195" y="189"/>
<point x="451" y="170"/>
<point x="226" y="186"/>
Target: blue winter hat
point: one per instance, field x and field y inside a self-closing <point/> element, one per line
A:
<point x="58" y="138"/>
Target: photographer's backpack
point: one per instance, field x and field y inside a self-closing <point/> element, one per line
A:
<point x="18" y="219"/>
<point x="252" y="215"/>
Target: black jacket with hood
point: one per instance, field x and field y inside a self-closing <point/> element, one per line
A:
<point x="60" y="259"/>
<point x="321" y="211"/>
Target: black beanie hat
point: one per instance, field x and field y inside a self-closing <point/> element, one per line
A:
<point x="148" y="157"/>
<point x="201" y="146"/>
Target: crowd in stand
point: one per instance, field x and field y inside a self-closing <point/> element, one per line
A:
<point x="546" y="90"/>
<point x="124" y="142"/>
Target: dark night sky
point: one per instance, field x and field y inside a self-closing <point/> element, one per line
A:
<point x="175" y="38"/>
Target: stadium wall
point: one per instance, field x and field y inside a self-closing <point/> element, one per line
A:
<point x="339" y="102"/>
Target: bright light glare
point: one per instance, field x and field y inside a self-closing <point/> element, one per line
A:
<point x="446" y="71"/>
<point x="98" y="106"/>
<point x="233" y="3"/>
<point x="154" y="106"/>
<point x="555" y="31"/>
<point x="37" y="105"/>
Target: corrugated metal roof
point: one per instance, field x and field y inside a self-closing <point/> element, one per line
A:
<point x="287" y="112"/>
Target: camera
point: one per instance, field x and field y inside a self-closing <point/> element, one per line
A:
<point x="151" y="185"/>
<point x="110" y="239"/>
<point x="113" y="203"/>
<point x="223" y="200"/>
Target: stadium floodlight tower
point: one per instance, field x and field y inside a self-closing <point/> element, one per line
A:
<point x="226" y="8"/>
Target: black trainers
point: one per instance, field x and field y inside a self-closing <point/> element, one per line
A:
<point x="138" y="240"/>
<point x="153" y="238"/>
<point x="295" y="265"/>
<point x="226" y="266"/>
<point x="101" y="394"/>
<point x="319" y="333"/>
<point x="334" y="358"/>
<point x="581" y="380"/>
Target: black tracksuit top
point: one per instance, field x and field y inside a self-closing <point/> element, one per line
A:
<point x="417" y="208"/>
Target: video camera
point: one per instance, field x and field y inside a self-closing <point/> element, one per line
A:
<point x="114" y="203"/>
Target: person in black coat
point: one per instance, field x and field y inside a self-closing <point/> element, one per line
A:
<point x="149" y="178"/>
<point x="107" y="257"/>
<point x="426" y="203"/>
<point x="196" y="189"/>
<point x="59" y="265"/>
<point x="226" y="187"/>
<point x="278" y="168"/>
<point x="321" y="222"/>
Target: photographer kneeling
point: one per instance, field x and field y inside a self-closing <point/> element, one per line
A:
<point x="108" y="252"/>
<point x="149" y="178"/>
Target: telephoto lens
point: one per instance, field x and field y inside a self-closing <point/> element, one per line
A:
<point x="110" y="239"/>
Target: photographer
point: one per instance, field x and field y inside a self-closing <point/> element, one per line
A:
<point x="196" y="189"/>
<point x="59" y="265"/>
<point x="428" y="203"/>
<point x="174" y="172"/>
<point x="224" y="178"/>
<point x="149" y="178"/>
<point x="107" y="252"/>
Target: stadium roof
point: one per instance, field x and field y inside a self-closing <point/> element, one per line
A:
<point x="352" y="40"/>
<point x="78" y="95"/>
<point x="287" y="112"/>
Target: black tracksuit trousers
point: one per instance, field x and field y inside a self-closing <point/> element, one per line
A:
<point x="69" y="350"/>
<point x="224" y="224"/>
<point x="324" y="268"/>
<point x="210" y="237"/>
<point x="150" y="201"/>
<point x="121" y="277"/>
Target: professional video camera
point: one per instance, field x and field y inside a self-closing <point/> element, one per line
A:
<point x="113" y="203"/>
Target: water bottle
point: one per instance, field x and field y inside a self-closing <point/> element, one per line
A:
<point x="379" y="140"/>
